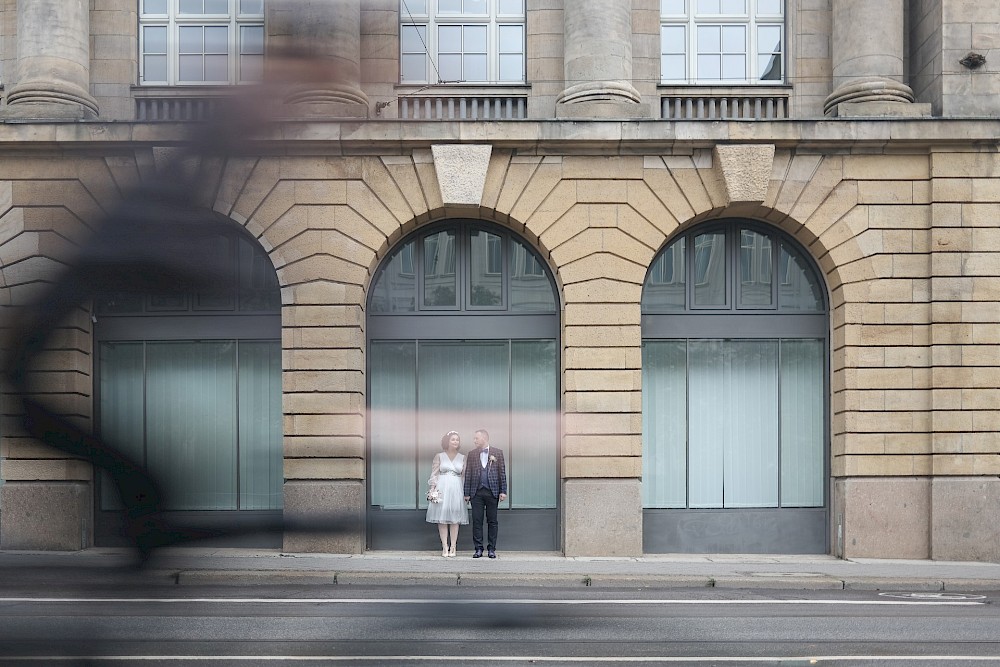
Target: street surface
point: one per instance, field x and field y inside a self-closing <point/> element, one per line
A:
<point x="398" y="625"/>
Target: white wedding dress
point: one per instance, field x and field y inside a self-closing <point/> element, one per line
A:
<point x="446" y="475"/>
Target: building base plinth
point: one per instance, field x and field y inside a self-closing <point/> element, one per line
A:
<point x="324" y="517"/>
<point x="881" y="517"/>
<point x="964" y="519"/>
<point x="881" y="109"/>
<point x="602" y="109"/>
<point x="46" y="516"/>
<point x="602" y="517"/>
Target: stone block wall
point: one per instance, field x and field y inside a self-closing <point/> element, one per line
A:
<point x="924" y="62"/>
<point x="969" y="27"/>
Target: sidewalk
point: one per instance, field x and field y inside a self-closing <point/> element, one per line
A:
<point x="203" y="566"/>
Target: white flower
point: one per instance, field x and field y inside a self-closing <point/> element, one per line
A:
<point x="434" y="496"/>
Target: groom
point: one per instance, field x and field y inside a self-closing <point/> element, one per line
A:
<point x="485" y="487"/>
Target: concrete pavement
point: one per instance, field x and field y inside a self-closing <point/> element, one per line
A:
<point x="209" y="566"/>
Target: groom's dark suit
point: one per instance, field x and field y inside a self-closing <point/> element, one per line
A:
<point x="483" y="487"/>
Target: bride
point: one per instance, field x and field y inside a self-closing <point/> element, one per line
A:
<point x="447" y="509"/>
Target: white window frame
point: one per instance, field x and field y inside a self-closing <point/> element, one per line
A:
<point x="691" y="20"/>
<point x="173" y="21"/>
<point x="424" y="14"/>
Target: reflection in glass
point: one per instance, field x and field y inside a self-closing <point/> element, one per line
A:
<point x="665" y="284"/>
<point x="710" y="269"/>
<point x="486" y="269"/>
<point x="798" y="286"/>
<point x="440" y="284"/>
<point x="530" y="287"/>
<point x="396" y="289"/>
<point x="258" y="283"/>
<point x="755" y="268"/>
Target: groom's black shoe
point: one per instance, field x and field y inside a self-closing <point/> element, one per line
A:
<point x="478" y="554"/>
<point x="492" y="553"/>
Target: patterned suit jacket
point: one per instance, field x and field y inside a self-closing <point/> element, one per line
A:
<point x="496" y="472"/>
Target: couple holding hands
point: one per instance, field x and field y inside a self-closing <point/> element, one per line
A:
<point x="479" y="479"/>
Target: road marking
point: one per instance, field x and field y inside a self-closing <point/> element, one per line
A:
<point x="523" y="659"/>
<point x="408" y="601"/>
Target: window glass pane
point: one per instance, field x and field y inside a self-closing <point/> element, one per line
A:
<point x="216" y="6"/>
<point x="530" y="287"/>
<point x="672" y="67"/>
<point x="664" y="423"/>
<point x="191" y="423"/>
<point x="121" y="399"/>
<point x="672" y="7"/>
<point x="449" y="6"/>
<point x="251" y="6"/>
<point x="710" y="269"/>
<point x="706" y="422"/>
<point x="450" y="67"/>
<point x="733" y="67"/>
<point x="512" y="67"/>
<point x="414" y="7"/>
<point x="673" y="39"/>
<point x="511" y="38"/>
<point x="413" y="68"/>
<point x="261" y="464"/>
<point x="709" y="6"/>
<point x="154" y="39"/>
<point x="511" y="7"/>
<point x="216" y="68"/>
<point x="475" y="7"/>
<point x="750" y="413"/>
<point x="769" y="7"/>
<point x="413" y="38"/>
<point x="665" y="284"/>
<point x="474" y="39"/>
<point x="251" y="68"/>
<point x="769" y="39"/>
<point x="218" y="252"/>
<point x="190" y="7"/>
<point x="475" y="68"/>
<point x="154" y="68"/>
<point x="190" y="68"/>
<point x="439" y="270"/>
<point x="450" y="39"/>
<point x="486" y="269"/>
<point x="709" y="67"/>
<point x="190" y="39"/>
<point x="755" y="268"/>
<point x="534" y="372"/>
<point x="447" y="370"/>
<point x="734" y="7"/>
<point x="709" y="39"/>
<point x="216" y="39"/>
<point x="769" y="67"/>
<point x="392" y="409"/>
<point x="802" y="427"/>
<point x="252" y="39"/>
<point x="734" y="39"/>
<point x="396" y="290"/>
<point x="258" y="283"/>
<point x="798" y="287"/>
<point x="154" y="6"/>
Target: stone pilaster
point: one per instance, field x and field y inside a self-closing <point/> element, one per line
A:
<point x="598" y="61"/>
<point x="53" y="61"/>
<point x="868" y="61"/>
<point x="318" y="44"/>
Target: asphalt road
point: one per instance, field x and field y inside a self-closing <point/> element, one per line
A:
<point x="269" y="625"/>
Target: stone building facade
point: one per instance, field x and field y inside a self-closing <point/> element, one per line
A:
<point x="704" y="207"/>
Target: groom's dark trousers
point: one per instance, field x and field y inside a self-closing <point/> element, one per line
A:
<point x="484" y="498"/>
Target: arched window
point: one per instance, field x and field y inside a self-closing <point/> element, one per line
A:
<point x="462" y="334"/>
<point x="734" y="394"/>
<point x="189" y="386"/>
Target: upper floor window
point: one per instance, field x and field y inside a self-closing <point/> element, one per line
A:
<point x="721" y="41"/>
<point x="461" y="41"/>
<point x="194" y="42"/>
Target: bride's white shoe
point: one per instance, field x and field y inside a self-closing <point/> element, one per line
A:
<point x="452" y="552"/>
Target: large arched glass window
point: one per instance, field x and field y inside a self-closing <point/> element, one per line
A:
<point x="189" y="386"/>
<point x="462" y="334"/>
<point x="734" y="394"/>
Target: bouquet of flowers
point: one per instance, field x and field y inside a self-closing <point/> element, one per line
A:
<point x="434" y="496"/>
